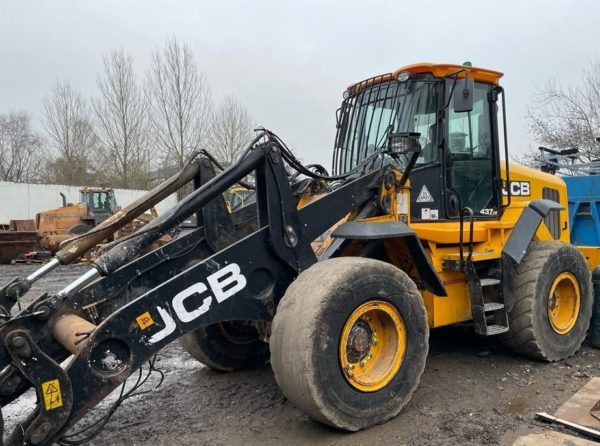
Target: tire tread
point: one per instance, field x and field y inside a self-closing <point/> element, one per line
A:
<point x="522" y="337"/>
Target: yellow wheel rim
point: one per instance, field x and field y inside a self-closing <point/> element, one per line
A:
<point x="372" y="345"/>
<point x="563" y="303"/>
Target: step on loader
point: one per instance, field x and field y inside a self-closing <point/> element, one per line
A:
<point x="336" y="279"/>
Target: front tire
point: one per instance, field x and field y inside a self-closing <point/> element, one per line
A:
<point x="349" y="342"/>
<point x="553" y="302"/>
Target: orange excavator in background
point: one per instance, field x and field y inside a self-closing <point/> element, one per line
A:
<point x="57" y="225"/>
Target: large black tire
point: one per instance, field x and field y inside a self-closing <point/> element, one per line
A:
<point x="227" y="346"/>
<point x="80" y="228"/>
<point x="532" y="333"/>
<point x="306" y="341"/>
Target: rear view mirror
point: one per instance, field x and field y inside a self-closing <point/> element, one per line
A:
<point x="463" y="95"/>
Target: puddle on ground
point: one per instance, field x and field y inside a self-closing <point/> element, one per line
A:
<point x="517" y="406"/>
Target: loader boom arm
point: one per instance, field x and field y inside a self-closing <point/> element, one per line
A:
<point x="193" y="281"/>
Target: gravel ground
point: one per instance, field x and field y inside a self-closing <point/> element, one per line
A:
<point x="473" y="392"/>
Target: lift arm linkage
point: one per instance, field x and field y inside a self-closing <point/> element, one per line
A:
<point x="138" y="303"/>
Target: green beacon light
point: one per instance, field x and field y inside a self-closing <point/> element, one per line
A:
<point x="467" y="64"/>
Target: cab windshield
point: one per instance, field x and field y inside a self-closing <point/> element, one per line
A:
<point x="99" y="201"/>
<point x="368" y="117"/>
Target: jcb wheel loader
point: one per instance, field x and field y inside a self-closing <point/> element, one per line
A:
<point x="336" y="278"/>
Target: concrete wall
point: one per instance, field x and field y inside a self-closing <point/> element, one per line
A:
<point x="21" y="201"/>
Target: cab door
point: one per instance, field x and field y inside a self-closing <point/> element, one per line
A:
<point x="471" y="159"/>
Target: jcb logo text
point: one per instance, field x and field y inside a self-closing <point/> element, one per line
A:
<point x="223" y="284"/>
<point x="518" y="189"/>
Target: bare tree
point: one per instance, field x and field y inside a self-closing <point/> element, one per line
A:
<point x="568" y="117"/>
<point x="180" y="102"/>
<point x="121" y="118"/>
<point x="68" y="125"/>
<point x="231" y="130"/>
<point x="21" y="151"/>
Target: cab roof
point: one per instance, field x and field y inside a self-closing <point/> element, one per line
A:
<point x="437" y="70"/>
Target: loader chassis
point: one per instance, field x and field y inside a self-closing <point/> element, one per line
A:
<point x="422" y="225"/>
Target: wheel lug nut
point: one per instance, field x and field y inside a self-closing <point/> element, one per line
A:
<point x="375" y="342"/>
<point x="362" y="363"/>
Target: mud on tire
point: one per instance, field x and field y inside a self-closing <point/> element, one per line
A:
<point x="306" y="348"/>
<point x="533" y="330"/>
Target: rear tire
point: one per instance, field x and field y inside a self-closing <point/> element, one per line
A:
<point x="226" y="346"/>
<point x="319" y="361"/>
<point x="553" y="302"/>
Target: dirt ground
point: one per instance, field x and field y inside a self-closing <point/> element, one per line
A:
<point x="473" y="392"/>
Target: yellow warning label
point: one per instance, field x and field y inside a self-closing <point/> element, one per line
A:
<point x="52" y="395"/>
<point x="144" y="320"/>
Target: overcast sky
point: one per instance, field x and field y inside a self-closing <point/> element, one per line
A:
<point x="288" y="62"/>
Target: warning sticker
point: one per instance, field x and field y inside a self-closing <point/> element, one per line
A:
<point x="425" y="196"/>
<point x="144" y="320"/>
<point x="52" y="395"/>
<point x="402" y="203"/>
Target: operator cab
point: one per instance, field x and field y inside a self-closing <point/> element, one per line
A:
<point x="100" y="202"/>
<point x="458" y="164"/>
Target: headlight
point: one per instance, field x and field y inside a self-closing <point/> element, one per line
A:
<point x="404" y="142"/>
<point x="403" y="76"/>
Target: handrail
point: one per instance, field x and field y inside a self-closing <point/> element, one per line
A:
<point x="506" y="159"/>
<point x="468" y="211"/>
